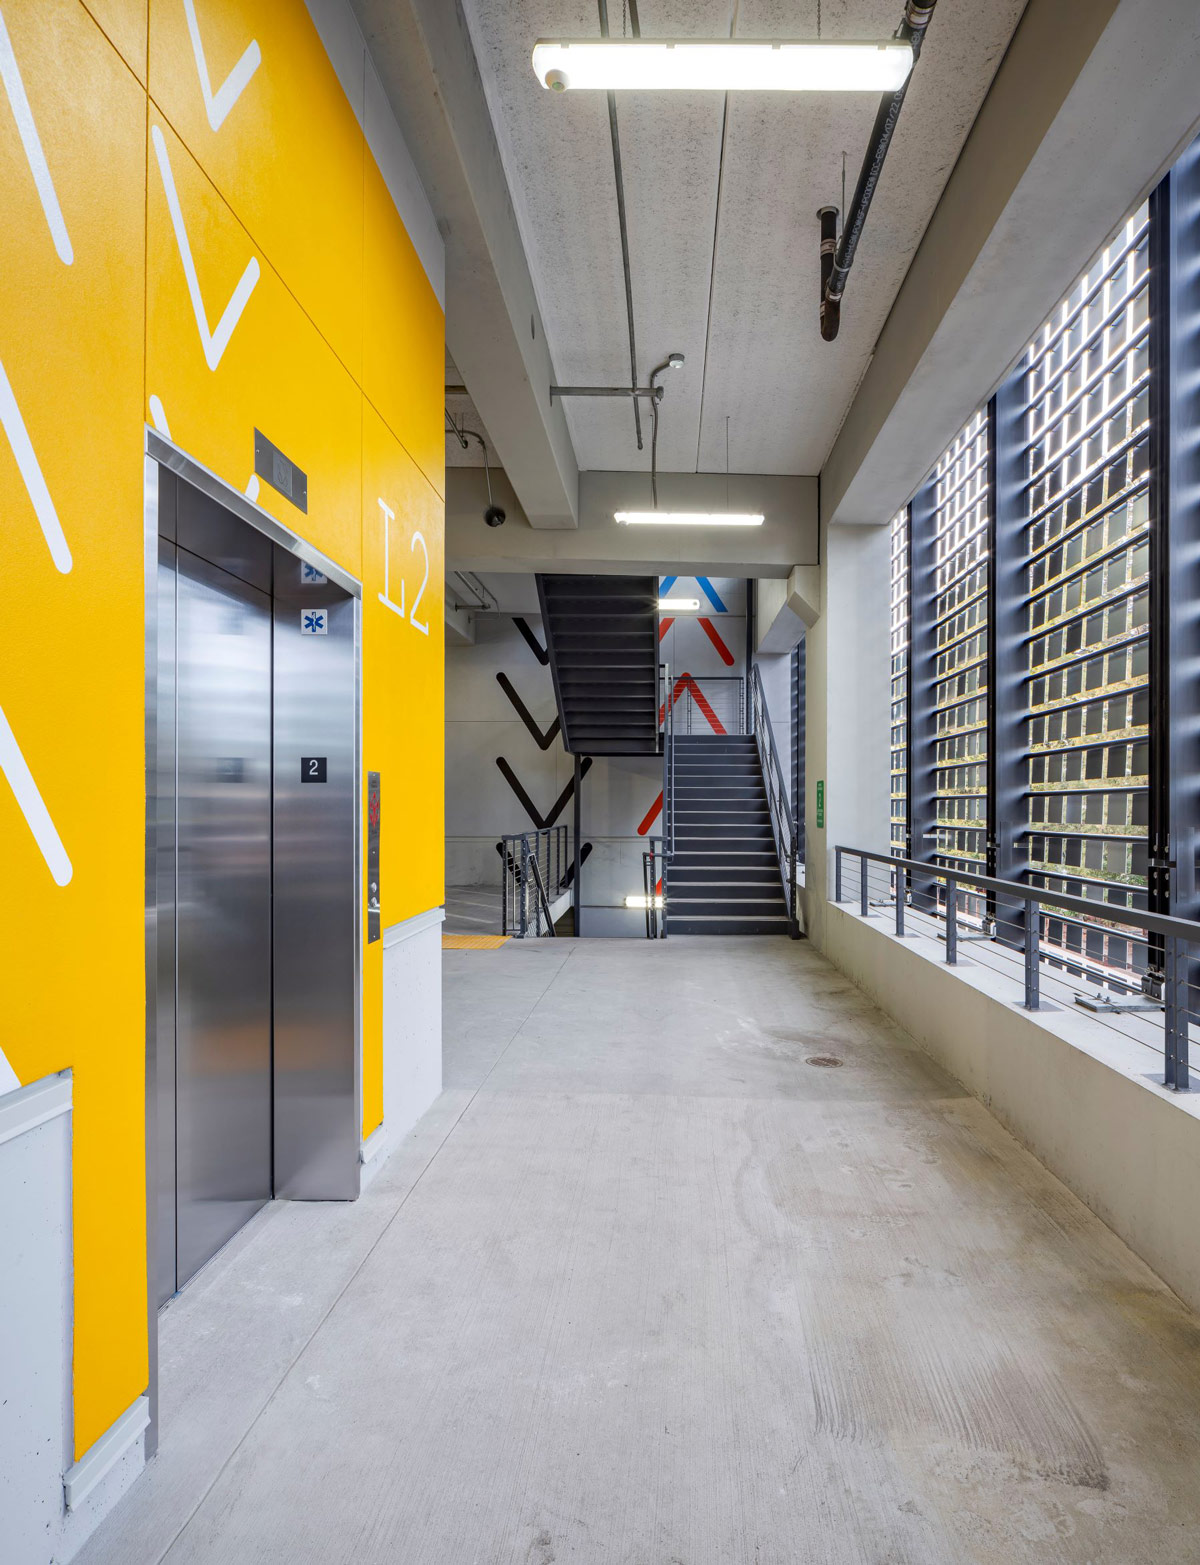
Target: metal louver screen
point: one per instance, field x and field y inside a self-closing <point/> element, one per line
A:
<point x="1088" y="596"/>
<point x="960" y="525"/>
<point x="900" y="624"/>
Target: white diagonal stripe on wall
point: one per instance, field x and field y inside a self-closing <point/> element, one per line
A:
<point x="31" y="806"/>
<point x="27" y="129"/>
<point x="214" y="342"/>
<point x="31" y="474"/>
<point x="217" y="105"/>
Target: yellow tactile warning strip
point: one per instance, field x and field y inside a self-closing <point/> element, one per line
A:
<point x="472" y="942"/>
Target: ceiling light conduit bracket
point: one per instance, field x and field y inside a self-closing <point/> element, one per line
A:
<point x="607" y="391"/>
<point x="837" y="259"/>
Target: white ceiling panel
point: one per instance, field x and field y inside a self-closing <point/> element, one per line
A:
<point x="743" y="309"/>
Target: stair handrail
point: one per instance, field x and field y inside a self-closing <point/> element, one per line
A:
<point x="784" y="825"/>
<point x="535" y="869"/>
<point x="668" y="790"/>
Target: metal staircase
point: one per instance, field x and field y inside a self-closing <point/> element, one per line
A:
<point x="725" y="871"/>
<point x="602" y="637"/>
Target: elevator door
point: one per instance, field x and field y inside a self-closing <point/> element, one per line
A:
<point x="221" y="859"/>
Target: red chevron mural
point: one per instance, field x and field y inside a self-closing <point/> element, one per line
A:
<point x="686" y="682"/>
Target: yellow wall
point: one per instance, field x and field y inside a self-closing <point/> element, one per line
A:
<point x="337" y="356"/>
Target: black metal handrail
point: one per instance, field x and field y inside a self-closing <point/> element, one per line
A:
<point x="1177" y="934"/>
<point x="785" y="827"/>
<point x="535" y="869"/>
<point x="654" y="865"/>
<point x="668" y="790"/>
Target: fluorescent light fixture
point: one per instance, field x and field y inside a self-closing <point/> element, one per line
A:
<point x="688" y="518"/>
<point x="721" y="65"/>
<point x="643" y="902"/>
<point x="678" y="605"/>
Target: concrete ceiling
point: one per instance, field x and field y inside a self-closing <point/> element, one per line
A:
<point x="721" y="200"/>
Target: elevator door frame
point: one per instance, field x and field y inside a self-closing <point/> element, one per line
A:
<point x="160" y="453"/>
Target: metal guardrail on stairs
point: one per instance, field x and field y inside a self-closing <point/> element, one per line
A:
<point x="536" y="870"/>
<point x="785" y="828"/>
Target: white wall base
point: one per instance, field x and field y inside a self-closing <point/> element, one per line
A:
<point x="35" y="1316"/>
<point x="1087" y="1102"/>
<point x="412" y="1031"/>
<point x="38" y="1480"/>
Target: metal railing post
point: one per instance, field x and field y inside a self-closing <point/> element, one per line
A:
<point x="837" y="874"/>
<point x="901" y="898"/>
<point x="864" y="865"/>
<point x="524" y="887"/>
<point x="1176" y="1072"/>
<point x="1033" y="954"/>
<point x="951" y="922"/>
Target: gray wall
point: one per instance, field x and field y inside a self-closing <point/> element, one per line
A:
<point x="482" y="725"/>
<point x="619" y="793"/>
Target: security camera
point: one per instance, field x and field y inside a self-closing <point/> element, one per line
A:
<point x="494" y="516"/>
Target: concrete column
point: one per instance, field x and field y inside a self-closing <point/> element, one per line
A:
<point x="849" y="712"/>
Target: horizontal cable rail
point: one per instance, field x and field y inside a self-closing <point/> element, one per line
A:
<point x="707" y="704"/>
<point x="536" y="870"/>
<point x="654" y="888"/>
<point x="1033" y="922"/>
<point x="784" y="826"/>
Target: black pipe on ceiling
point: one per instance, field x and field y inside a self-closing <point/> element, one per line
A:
<point x="836" y="263"/>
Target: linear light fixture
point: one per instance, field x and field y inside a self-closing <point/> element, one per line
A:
<point x="688" y="518"/>
<point x="643" y="902"/>
<point x="678" y="605"/>
<point x="721" y="64"/>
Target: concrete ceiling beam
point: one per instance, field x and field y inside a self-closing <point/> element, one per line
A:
<point x="602" y="546"/>
<point x="423" y="52"/>
<point x="1091" y="104"/>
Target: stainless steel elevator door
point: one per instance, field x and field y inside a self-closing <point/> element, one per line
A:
<point x="223" y="1121"/>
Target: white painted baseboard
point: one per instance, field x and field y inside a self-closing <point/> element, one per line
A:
<point x="93" y="1467"/>
<point x="412" y="1031"/>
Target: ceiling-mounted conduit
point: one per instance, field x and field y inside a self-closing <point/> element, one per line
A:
<point x="460" y="433"/>
<point x="836" y="260"/>
<point x="620" y="182"/>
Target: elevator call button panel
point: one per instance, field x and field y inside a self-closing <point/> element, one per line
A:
<point x="373" y="906"/>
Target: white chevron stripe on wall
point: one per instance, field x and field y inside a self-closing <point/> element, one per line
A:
<point x="217" y="105"/>
<point x="10" y="75"/>
<point x="213" y="341"/>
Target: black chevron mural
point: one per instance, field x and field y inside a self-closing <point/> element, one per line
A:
<point x="542" y="822"/>
<point x="535" y="646"/>
<point x="543" y="740"/>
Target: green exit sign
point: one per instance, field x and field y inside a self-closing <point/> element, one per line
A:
<point x="821" y="804"/>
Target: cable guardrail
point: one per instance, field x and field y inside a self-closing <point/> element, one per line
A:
<point x="931" y="896"/>
<point x="784" y="826"/>
<point x="711" y="703"/>
<point x="654" y="883"/>
<point x="660" y="856"/>
<point x="535" y="871"/>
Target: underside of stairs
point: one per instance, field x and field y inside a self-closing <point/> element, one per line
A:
<point x="724" y="875"/>
<point x="602" y="636"/>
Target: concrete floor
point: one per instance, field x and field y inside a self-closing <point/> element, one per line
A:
<point x="646" y="1288"/>
<point x="473" y="910"/>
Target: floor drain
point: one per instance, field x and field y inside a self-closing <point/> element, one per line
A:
<point x="822" y="1059"/>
